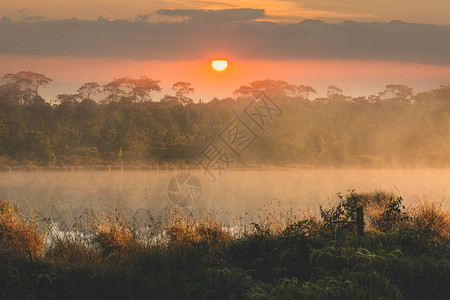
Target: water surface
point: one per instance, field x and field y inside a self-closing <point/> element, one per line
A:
<point x="235" y="191"/>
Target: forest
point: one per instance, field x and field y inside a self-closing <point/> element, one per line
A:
<point x="120" y="124"/>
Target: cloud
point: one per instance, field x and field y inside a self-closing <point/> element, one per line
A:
<point x="6" y="19"/>
<point x="142" y="18"/>
<point x="435" y="11"/>
<point x="224" y="15"/>
<point x="238" y="33"/>
<point x="34" y="18"/>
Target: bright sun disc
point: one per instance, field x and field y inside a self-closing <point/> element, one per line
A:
<point x="219" y="64"/>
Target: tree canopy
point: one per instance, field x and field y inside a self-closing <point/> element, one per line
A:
<point x="123" y="125"/>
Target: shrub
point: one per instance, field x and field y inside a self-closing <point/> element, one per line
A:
<point x="348" y="215"/>
<point x="430" y="217"/>
<point x="185" y="231"/>
<point x="393" y="217"/>
<point x="17" y="236"/>
<point x="382" y="211"/>
<point x="114" y="238"/>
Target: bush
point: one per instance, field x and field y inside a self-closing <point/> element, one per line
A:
<point x="114" y="238"/>
<point x="430" y="217"/>
<point x="393" y="216"/>
<point x="184" y="231"/>
<point x="17" y="236"/>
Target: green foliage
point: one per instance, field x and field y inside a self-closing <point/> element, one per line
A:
<point x="348" y="215"/>
<point x="306" y="260"/>
<point x="393" y="216"/>
<point x="404" y="130"/>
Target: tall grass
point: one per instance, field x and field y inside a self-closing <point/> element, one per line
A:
<point x="431" y="217"/>
<point x="18" y="236"/>
<point x="368" y="246"/>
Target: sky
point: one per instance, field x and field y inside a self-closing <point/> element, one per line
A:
<point x="358" y="45"/>
<point x="415" y="11"/>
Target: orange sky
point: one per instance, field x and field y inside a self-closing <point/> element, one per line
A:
<point x="419" y="11"/>
<point x="355" y="77"/>
<point x="175" y="40"/>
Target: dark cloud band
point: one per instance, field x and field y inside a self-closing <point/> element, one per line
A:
<point x="235" y="31"/>
<point x="224" y="15"/>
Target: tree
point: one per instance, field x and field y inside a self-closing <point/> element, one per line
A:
<point x="274" y="88"/>
<point x="333" y="90"/>
<point x="140" y="89"/>
<point x="335" y="93"/>
<point x="113" y="91"/>
<point x="137" y="90"/>
<point x="244" y="91"/>
<point x="399" y="92"/>
<point x="443" y="93"/>
<point x="89" y="89"/>
<point x="182" y="89"/>
<point x="168" y="99"/>
<point x="63" y="113"/>
<point x="67" y="97"/>
<point x="305" y="90"/>
<point x="25" y="85"/>
<point x="9" y="95"/>
<point x="173" y="136"/>
<point x="39" y="146"/>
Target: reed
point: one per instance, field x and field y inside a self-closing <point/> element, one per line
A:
<point x="269" y="253"/>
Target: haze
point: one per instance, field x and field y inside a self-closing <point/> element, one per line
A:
<point x="235" y="193"/>
<point x="362" y="84"/>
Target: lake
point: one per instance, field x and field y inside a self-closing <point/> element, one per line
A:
<point x="235" y="191"/>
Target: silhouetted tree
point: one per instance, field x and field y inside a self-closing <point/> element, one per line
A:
<point x="333" y="90"/>
<point x="24" y="85"/>
<point x="335" y="93"/>
<point x="399" y="92"/>
<point x="305" y="90"/>
<point x="274" y="88"/>
<point x="182" y="89"/>
<point x="244" y="91"/>
<point x="140" y="89"/>
<point x="67" y="97"/>
<point x="89" y="89"/>
<point x="113" y="91"/>
<point x="136" y="90"/>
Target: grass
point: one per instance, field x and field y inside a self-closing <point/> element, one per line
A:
<point x="18" y="237"/>
<point x="367" y="247"/>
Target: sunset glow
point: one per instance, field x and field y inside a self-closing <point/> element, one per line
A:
<point x="219" y="64"/>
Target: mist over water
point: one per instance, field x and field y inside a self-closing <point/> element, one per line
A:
<point x="235" y="191"/>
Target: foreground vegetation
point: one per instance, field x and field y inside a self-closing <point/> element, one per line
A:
<point x="367" y="247"/>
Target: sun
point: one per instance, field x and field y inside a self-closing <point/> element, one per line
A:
<point x="219" y="64"/>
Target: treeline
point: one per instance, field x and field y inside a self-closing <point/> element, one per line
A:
<point x="124" y="126"/>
